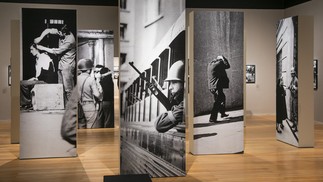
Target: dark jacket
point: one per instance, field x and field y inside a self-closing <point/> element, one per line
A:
<point x="107" y="86"/>
<point x="217" y="76"/>
<point x="280" y="103"/>
<point x="172" y="118"/>
<point x="68" y="128"/>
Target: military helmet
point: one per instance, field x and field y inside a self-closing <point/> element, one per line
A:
<point x="84" y="64"/>
<point x="176" y="72"/>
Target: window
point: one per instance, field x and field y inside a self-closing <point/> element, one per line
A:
<point x="123" y="4"/>
<point x="54" y="22"/>
<point x="155" y="70"/>
<point x="123" y="58"/>
<point x="148" y="72"/>
<point x="123" y="29"/>
<point x="164" y="59"/>
<point x="153" y="11"/>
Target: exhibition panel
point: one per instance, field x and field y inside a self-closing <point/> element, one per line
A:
<point x="217" y="74"/>
<point x="152" y="69"/>
<point x="97" y="46"/>
<point x="47" y="123"/>
<point x="294" y="88"/>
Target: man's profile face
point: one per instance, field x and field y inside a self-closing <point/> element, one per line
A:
<point x="175" y="86"/>
<point x="33" y="51"/>
<point x="97" y="72"/>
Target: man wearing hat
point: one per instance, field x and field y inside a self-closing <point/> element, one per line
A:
<point x="88" y="89"/>
<point x="173" y="117"/>
<point x="217" y="81"/>
<point x="103" y="75"/>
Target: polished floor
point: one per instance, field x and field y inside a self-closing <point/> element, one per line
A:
<point x="264" y="159"/>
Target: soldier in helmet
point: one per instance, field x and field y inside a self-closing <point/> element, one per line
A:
<point x="173" y="117"/>
<point x="293" y="87"/>
<point x="88" y="90"/>
<point x="217" y="81"/>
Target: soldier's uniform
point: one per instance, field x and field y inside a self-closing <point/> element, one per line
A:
<point x="174" y="116"/>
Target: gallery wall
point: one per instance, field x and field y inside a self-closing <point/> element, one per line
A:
<point x="314" y="8"/>
<point x="88" y="17"/>
<point x="260" y="30"/>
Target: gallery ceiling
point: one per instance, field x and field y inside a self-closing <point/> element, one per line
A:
<point x="229" y="4"/>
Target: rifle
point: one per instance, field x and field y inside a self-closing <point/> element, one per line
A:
<point x="153" y="87"/>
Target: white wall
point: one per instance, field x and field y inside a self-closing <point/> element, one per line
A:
<point x="88" y="17"/>
<point x="314" y="8"/>
<point x="260" y="36"/>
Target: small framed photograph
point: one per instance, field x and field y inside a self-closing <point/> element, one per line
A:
<point x="315" y="71"/>
<point x="9" y="75"/>
<point x="250" y="74"/>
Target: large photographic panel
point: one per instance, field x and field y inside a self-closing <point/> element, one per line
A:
<point x="97" y="46"/>
<point x="294" y="77"/>
<point x="152" y="68"/>
<point x="218" y="82"/>
<point x="287" y="81"/>
<point x="47" y="120"/>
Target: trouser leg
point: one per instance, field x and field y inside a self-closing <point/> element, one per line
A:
<point x="216" y="106"/>
<point x="222" y="99"/>
<point x="66" y="77"/>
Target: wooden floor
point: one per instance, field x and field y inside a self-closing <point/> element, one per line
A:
<point x="264" y="159"/>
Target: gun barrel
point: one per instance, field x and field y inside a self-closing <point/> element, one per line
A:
<point x="133" y="66"/>
<point x="154" y="88"/>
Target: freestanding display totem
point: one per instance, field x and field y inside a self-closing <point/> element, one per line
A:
<point x="152" y="69"/>
<point x="294" y="87"/>
<point x="48" y="74"/>
<point x="216" y="82"/>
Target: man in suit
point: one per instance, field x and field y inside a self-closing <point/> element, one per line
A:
<point x="217" y="81"/>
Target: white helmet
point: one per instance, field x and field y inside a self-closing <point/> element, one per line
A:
<point x="176" y="72"/>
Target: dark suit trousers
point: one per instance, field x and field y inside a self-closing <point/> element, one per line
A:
<point x="218" y="105"/>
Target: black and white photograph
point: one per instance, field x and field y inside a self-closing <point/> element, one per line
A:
<point x="96" y="100"/>
<point x="287" y="81"/>
<point x="9" y="75"/>
<point x="152" y="69"/>
<point x="48" y="106"/>
<point x="250" y="73"/>
<point x="315" y="71"/>
<point x="218" y="82"/>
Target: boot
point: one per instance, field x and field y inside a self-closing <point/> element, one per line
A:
<point x="278" y="130"/>
<point x="224" y="115"/>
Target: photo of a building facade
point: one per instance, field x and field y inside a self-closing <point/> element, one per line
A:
<point x="287" y="81"/>
<point x="152" y="68"/>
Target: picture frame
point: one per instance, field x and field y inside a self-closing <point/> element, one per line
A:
<point x="250" y="73"/>
<point x="315" y="72"/>
<point x="9" y="75"/>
